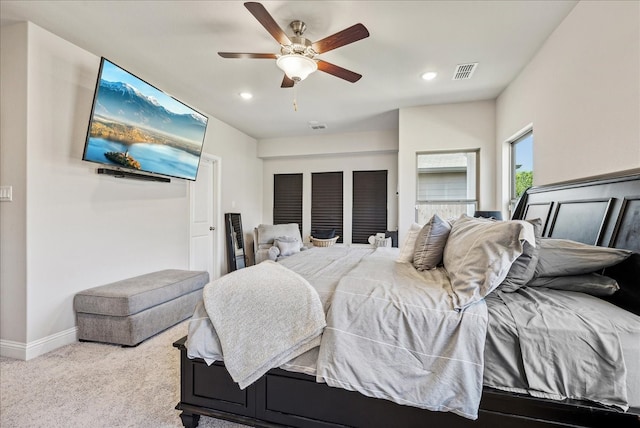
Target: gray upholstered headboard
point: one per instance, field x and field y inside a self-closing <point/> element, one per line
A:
<point x="602" y="211"/>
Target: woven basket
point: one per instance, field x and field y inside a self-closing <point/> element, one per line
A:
<point x="323" y="242"/>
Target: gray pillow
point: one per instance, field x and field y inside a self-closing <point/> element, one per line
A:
<point x="591" y="283"/>
<point x="562" y="257"/>
<point x="479" y="254"/>
<point x="287" y="245"/>
<point x="523" y="269"/>
<point x="429" y="245"/>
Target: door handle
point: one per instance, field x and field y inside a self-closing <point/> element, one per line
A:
<point x="212" y="228"/>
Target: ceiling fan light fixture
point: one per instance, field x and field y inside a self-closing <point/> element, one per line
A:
<point x="296" y="67"/>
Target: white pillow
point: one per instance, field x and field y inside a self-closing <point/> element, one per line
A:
<point x="479" y="254"/>
<point x="406" y="252"/>
<point x="382" y="242"/>
<point x="273" y="253"/>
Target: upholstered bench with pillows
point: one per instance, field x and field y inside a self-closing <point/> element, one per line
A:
<point x="129" y="311"/>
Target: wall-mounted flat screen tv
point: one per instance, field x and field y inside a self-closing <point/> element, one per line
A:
<point x="138" y="128"/>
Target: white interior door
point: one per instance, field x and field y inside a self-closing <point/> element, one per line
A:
<point x="204" y="215"/>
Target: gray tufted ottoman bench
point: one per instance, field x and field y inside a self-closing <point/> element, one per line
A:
<point x="132" y="310"/>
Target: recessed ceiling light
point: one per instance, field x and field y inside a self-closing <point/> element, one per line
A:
<point x="429" y="75"/>
<point x="246" y="95"/>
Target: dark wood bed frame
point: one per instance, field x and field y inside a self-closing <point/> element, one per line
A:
<point x="603" y="211"/>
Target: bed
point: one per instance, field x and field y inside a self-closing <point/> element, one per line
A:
<point x="601" y="212"/>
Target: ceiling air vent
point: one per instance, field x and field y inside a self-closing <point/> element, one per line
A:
<point x="464" y="71"/>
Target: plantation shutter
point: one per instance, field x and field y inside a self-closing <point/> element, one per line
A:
<point x="287" y="199"/>
<point x="326" y="202"/>
<point x="369" y="215"/>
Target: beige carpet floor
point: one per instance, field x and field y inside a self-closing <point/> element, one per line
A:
<point x="97" y="385"/>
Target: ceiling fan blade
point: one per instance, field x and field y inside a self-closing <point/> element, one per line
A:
<point x="264" y="18"/>
<point x="337" y="71"/>
<point x="349" y="35"/>
<point x="247" y="55"/>
<point x="287" y="83"/>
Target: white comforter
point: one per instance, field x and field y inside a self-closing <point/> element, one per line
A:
<point x="391" y="331"/>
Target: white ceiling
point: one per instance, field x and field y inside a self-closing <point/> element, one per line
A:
<point x="173" y="45"/>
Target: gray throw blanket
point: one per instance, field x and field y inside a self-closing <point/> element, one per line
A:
<point x="272" y="301"/>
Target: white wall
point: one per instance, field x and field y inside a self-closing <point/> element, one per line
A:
<point x="582" y="93"/>
<point x="13" y="164"/>
<point x="82" y="229"/>
<point x="331" y="144"/>
<point x="324" y="153"/>
<point x="241" y="178"/>
<point x="444" y="127"/>
<point x="328" y="163"/>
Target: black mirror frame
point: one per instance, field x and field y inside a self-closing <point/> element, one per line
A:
<point x="235" y="242"/>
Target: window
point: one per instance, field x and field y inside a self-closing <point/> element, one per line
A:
<point x="326" y="202"/>
<point x="369" y="215"/>
<point x="446" y="184"/>
<point x="287" y="199"/>
<point x="521" y="165"/>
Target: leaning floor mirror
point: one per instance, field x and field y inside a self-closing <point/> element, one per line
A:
<point x="235" y="242"/>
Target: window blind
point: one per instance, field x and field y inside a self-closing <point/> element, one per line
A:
<point x="287" y="199"/>
<point x="369" y="214"/>
<point x="326" y="202"/>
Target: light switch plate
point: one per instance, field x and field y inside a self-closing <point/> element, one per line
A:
<point x="6" y="193"/>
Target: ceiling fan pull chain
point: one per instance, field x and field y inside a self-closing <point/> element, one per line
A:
<point x="295" y="102"/>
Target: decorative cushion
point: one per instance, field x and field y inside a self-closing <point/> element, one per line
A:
<point x="430" y="242"/>
<point x="591" y="283"/>
<point x="287" y="245"/>
<point x="562" y="257"/>
<point x="523" y="269"/>
<point x="382" y="242"/>
<point x="274" y="252"/>
<point x="479" y="254"/>
<point x="406" y="252"/>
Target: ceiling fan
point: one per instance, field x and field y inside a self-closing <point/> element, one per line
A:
<point x="297" y="56"/>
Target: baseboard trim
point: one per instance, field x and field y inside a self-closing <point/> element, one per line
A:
<point x="11" y="349"/>
<point x="27" y="351"/>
